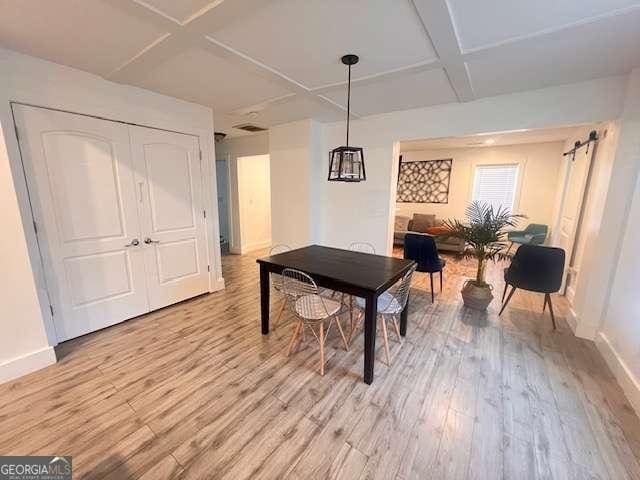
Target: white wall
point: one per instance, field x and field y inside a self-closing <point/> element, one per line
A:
<point x="538" y="177"/>
<point x="354" y="211"/>
<point x="230" y="149"/>
<point x="38" y="82"/>
<point x="254" y="193"/>
<point x="619" y="338"/>
<point x="23" y="339"/>
<point x="295" y="150"/>
<point x="618" y="274"/>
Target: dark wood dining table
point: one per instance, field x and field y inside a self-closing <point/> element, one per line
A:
<point x="361" y="274"/>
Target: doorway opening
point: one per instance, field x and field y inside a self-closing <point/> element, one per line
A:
<point x="527" y="172"/>
<point x="244" y="203"/>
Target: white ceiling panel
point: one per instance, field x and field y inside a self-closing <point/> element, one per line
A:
<point x="91" y="35"/>
<point x="486" y="22"/>
<point x="305" y="39"/>
<point x="199" y="76"/>
<point x="179" y="10"/>
<point x="401" y="92"/>
<point x="496" y="139"/>
<point x="588" y="51"/>
<point x="296" y="108"/>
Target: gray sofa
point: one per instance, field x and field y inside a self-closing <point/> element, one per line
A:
<point x="420" y="223"/>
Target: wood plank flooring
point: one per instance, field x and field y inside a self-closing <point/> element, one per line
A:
<point x="195" y="392"/>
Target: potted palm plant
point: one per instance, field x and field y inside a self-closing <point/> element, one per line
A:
<point x="483" y="234"/>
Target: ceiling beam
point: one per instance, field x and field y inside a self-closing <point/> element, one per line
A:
<point x="197" y="30"/>
<point x="438" y="24"/>
<point x="222" y="50"/>
<point x="386" y="75"/>
<point x="181" y="34"/>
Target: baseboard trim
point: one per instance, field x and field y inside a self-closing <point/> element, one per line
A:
<point x="217" y="285"/>
<point x="579" y="329"/>
<point x="572" y="320"/>
<point x="625" y="377"/>
<point x="19" y="366"/>
<point x="255" y="246"/>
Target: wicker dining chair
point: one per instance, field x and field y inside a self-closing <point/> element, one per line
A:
<point x="390" y="306"/>
<point x="276" y="281"/>
<point x="312" y="311"/>
<point x="362" y="247"/>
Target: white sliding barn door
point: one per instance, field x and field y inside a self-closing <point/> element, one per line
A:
<point x="174" y="241"/>
<point x="83" y="195"/>
<point x="571" y="206"/>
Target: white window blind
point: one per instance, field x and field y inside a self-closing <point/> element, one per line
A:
<point x="496" y="185"/>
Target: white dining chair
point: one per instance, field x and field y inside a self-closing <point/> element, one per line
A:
<point x="276" y="280"/>
<point x="362" y="247"/>
<point x="390" y="306"/>
<point x="312" y="311"/>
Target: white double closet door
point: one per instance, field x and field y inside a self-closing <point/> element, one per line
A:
<point x="119" y="216"/>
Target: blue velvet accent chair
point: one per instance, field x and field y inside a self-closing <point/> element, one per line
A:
<point x="534" y="234"/>
<point x="536" y="269"/>
<point x="422" y="249"/>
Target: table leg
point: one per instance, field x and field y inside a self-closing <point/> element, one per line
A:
<point x="264" y="299"/>
<point x="403" y="318"/>
<point x="370" y="317"/>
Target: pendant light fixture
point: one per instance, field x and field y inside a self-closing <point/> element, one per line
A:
<point x="346" y="164"/>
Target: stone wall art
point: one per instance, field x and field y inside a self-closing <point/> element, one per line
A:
<point x="424" y="182"/>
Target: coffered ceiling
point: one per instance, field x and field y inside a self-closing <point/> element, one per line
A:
<point x="272" y="61"/>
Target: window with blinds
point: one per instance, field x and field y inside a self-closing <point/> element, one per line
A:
<point x="496" y="185"/>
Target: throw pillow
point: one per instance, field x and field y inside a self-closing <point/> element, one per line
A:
<point x="437" y="230"/>
<point x="422" y="221"/>
<point x="401" y="223"/>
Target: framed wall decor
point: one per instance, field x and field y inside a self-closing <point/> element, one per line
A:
<point x="424" y="181"/>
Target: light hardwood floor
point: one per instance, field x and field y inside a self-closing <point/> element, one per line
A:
<point x="194" y="391"/>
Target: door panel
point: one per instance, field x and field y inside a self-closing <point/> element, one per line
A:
<point x="83" y="171"/>
<point x="171" y="189"/>
<point x="168" y="172"/>
<point x="177" y="260"/>
<point x="571" y="205"/>
<point x="82" y="190"/>
<point x="114" y="281"/>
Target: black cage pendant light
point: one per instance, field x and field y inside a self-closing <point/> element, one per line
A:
<point x="346" y="164"/>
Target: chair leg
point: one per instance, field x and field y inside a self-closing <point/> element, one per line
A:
<point x="355" y="327"/>
<point x="277" y="322"/>
<point x="544" y="306"/>
<point x="513" y="289"/>
<point x="553" y="318"/>
<point x="386" y="341"/>
<point x="344" y="339"/>
<point x="440" y="281"/>
<point x="397" y="330"/>
<point x="321" y="348"/>
<point x="504" y="292"/>
<point x="431" y="277"/>
<point x="351" y="310"/>
<point x="296" y="331"/>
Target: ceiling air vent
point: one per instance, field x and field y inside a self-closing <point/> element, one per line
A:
<point x="247" y="127"/>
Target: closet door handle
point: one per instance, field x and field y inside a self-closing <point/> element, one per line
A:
<point x="134" y="243"/>
<point x="148" y="241"/>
